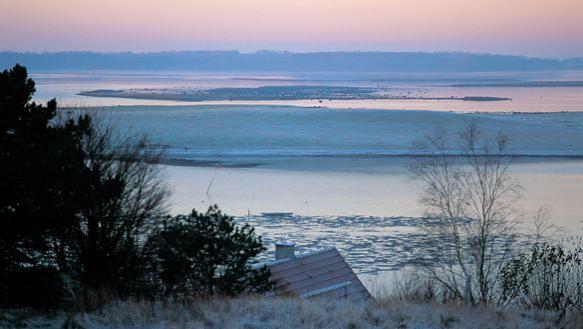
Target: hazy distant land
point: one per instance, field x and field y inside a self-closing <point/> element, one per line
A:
<point x="269" y="93"/>
<point x="275" y="61"/>
<point x="527" y="84"/>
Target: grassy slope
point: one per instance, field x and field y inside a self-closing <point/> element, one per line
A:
<point x="292" y="313"/>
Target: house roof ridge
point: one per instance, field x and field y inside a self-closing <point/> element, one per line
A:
<point x="299" y="256"/>
<point x="326" y="289"/>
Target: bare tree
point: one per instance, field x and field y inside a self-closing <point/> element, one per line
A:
<point x="120" y="191"/>
<point x="470" y="197"/>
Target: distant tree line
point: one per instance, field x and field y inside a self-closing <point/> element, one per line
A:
<point x="83" y="214"/>
<point x="287" y="61"/>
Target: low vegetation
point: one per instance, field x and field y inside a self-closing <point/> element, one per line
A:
<point x="249" y="312"/>
<point x="548" y="277"/>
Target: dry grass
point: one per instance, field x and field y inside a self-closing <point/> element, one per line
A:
<point x="246" y="313"/>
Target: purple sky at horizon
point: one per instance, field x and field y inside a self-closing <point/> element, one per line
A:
<point x="523" y="27"/>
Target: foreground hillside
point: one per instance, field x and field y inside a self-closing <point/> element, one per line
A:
<point x="289" y="313"/>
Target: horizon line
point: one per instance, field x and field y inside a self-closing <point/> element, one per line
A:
<point x="242" y="52"/>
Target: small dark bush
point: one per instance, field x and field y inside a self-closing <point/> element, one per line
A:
<point x="40" y="288"/>
<point x="207" y="254"/>
<point x="549" y="277"/>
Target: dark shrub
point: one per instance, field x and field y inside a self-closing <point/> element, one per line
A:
<point x="549" y="277"/>
<point x="206" y="254"/>
<point x="40" y="288"/>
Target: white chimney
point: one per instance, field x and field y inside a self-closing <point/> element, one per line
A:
<point x="284" y="250"/>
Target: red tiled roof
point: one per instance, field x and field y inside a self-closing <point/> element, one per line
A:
<point x="315" y="274"/>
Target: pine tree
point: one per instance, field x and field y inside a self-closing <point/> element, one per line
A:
<point x="37" y="191"/>
<point x="208" y="254"/>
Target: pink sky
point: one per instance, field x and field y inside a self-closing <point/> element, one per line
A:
<point x="528" y="27"/>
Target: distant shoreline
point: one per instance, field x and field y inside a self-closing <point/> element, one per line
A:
<point x="272" y="93"/>
<point x="279" y="61"/>
<point x="524" y="84"/>
<point x="255" y="161"/>
<point x="205" y="105"/>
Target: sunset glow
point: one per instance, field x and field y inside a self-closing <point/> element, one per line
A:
<point x="529" y="27"/>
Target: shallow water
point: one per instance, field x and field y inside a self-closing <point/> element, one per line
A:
<point x="367" y="208"/>
<point x="228" y="132"/>
<point x="380" y="187"/>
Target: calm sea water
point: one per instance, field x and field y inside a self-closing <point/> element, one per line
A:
<point x="377" y="187"/>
